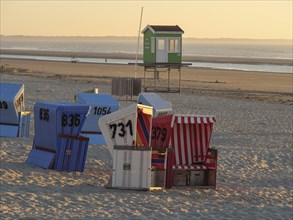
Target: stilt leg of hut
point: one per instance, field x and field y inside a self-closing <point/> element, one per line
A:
<point x="144" y="88"/>
<point x="168" y="79"/>
<point x="155" y="76"/>
<point x="179" y="70"/>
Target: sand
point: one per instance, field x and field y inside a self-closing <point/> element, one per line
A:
<point x="253" y="136"/>
<point x="272" y="87"/>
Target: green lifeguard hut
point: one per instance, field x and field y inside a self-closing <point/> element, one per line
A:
<point x="162" y="52"/>
<point x="162" y="44"/>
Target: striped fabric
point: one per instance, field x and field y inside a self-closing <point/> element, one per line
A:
<point x="189" y="167"/>
<point x="193" y="119"/>
<point x="191" y="138"/>
<point x="143" y="129"/>
<point x="212" y="158"/>
<point x="158" y="160"/>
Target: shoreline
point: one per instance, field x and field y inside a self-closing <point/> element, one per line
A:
<point x="261" y="86"/>
<point x="113" y="55"/>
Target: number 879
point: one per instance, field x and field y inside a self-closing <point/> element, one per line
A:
<point x="158" y="132"/>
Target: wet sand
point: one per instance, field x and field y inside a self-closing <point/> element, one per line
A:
<point x="271" y="87"/>
<point x="121" y="55"/>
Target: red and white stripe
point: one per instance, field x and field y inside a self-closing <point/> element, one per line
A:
<point x="193" y="119"/>
<point x="191" y="138"/>
<point x="211" y="163"/>
<point x="189" y="167"/>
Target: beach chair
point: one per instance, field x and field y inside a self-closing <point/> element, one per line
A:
<point x="160" y="106"/>
<point x="161" y="134"/>
<point x="127" y="133"/>
<point x="101" y="104"/>
<point x="190" y="161"/>
<point x="58" y="144"/>
<point x="130" y="126"/>
<point x="14" y="121"/>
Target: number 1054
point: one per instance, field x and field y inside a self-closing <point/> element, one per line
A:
<point x="102" y="110"/>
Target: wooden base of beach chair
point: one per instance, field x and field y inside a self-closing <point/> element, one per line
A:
<point x="158" y="178"/>
<point x="196" y="178"/>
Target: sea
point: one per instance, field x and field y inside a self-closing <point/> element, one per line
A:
<point x="234" y="48"/>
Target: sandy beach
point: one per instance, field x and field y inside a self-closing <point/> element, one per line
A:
<point x="271" y="87"/>
<point x="253" y="134"/>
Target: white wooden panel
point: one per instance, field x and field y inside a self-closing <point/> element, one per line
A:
<point x="131" y="169"/>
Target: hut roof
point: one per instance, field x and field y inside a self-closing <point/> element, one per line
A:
<point x="163" y="29"/>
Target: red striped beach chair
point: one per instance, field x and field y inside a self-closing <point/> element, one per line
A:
<point x="190" y="160"/>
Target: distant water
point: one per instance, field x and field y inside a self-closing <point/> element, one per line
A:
<point x="228" y="66"/>
<point x="275" y="49"/>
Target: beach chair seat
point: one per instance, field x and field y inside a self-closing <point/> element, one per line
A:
<point x="210" y="162"/>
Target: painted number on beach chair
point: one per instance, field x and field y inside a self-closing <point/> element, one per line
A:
<point x="70" y="120"/>
<point x="158" y="132"/>
<point x="44" y="114"/>
<point x="122" y="128"/>
<point x="102" y="110"/>
<point x="3" y="105"/>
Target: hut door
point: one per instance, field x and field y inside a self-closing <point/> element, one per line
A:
<point x="162" y="53"/>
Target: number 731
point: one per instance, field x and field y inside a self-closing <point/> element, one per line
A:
<point x="122" y="128"/>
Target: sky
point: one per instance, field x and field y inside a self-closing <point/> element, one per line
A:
<point x="262" y="19"/>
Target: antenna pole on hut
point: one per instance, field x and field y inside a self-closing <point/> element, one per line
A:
<point x="137" y="46"/>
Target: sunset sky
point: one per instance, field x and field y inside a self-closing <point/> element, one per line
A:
<point x="199" y="19"/>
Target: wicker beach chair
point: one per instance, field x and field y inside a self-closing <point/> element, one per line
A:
<point x="190" y="160"/>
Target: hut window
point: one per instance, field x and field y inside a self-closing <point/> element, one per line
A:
<point x="152" y="45"/>
<point x="174" y="45"/>
<point x="161" y="44"/>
